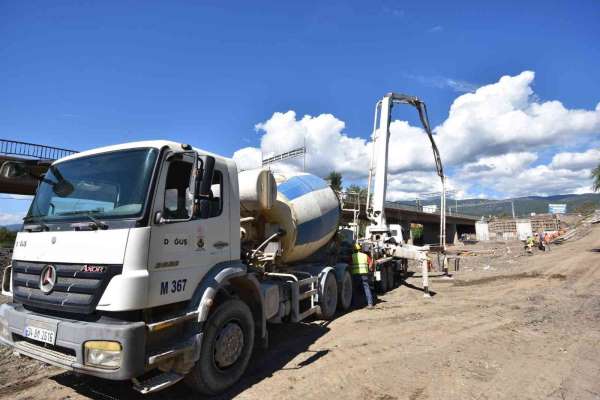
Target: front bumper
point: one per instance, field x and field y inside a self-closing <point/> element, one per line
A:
<point x="68" y="351"/>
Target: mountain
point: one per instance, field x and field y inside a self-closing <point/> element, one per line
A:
<point x="524" y="206"/>
<point x="13" y="227"/>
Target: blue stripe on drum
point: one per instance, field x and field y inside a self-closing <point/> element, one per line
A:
<point x="317" y="228"/>
<point x="300" y="185"/>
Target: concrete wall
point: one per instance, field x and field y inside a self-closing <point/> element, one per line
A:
<point x="523" y="229"/>
<point x="482" y="231"/>
<point x="518" y="229"/>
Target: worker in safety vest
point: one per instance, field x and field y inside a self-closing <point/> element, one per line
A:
<point x="360" y="269"/>
<point x="529" y="244"/>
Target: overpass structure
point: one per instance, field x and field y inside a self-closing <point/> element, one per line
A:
<point x="38" y="157"/>
<point x="456" y="224"/>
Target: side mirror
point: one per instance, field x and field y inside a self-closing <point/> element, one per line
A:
<point x="13" y="170"/>
<point x="63" y="188"/>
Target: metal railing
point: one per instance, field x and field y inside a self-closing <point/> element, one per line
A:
<point x="391" y="205"/>
<point x="39" y="151"/>
<point x="301" y="151"/>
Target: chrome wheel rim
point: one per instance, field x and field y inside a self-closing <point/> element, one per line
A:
<point x="229" y="344"/>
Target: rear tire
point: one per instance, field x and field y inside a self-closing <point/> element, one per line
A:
<point x="345" y="292"/>
<point x="226" y="349"/>
<point x="328" y="296"/>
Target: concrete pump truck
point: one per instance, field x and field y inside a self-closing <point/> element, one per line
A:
<point x="156" y="262"/>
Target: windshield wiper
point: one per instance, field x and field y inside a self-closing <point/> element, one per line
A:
<point x="95" y="221"/>
<point x="99" y="224"/>
<point x="39" y="227"/>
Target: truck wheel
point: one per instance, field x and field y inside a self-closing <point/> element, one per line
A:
<point x="328" y="295"/>
<point x="345" y="292"/>
<point x="382" y="285"/>
<point x="226" y="349"/>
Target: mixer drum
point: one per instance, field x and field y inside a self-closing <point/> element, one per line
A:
<point x="309" y="211"/>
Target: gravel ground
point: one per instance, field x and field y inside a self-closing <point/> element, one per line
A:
<point x="507" y="326"/>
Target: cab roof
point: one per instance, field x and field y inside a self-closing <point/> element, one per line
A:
<point x="157" y="144"/>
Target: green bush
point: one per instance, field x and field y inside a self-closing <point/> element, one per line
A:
<point x="7" y="238"/>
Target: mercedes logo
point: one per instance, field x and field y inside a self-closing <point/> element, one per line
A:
<point x="47" y="279"/>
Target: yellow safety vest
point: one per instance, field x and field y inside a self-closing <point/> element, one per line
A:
<point x="360" y="264"/>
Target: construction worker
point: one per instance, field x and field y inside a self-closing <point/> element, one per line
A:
<point x="542" y="241"/>
<point x="360" y="270"/>
<point x="529" y="244"/>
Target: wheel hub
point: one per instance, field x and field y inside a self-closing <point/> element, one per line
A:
<point x="229" y="345"/>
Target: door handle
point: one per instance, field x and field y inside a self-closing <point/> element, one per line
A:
<point x="220" y="245"/>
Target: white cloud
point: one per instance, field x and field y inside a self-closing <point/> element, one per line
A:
<point x="248" y="158"/>
<point x="409" y="185"/>
<point x="18" y="196"/>
<point x="543" y="180"/>
<point x="328" y="147"/>
<point x="504" y="165"/>
<point x="442" y="82"/>
<point x="489" y="139"/>
<point x="575" y="161"/>
<point x="512" y="175"/>
<point x="9" y="219"/>
<point x="504" y="117"/>
<point x="435" y="29"/>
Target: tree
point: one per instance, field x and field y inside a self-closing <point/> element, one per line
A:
<point x="7" y="238"/>
<point x="596" y="178"/>
<point x="335" y="180"/>
<point x="356" y="189"/>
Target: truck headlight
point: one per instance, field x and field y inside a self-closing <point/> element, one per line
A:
<point x="103" y="354"/>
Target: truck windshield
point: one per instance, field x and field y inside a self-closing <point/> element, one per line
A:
<point x="111" y="185"/>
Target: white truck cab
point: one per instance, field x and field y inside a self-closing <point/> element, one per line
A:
<point x="128" y="251"/>
<point x="117" y="241"/>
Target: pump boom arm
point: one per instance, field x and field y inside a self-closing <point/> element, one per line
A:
<point x="379" y="157"/>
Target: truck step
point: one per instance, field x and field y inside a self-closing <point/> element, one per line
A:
<point x="307" y="294"/>
<point x="308" y="313"/>
<point x="308" y="281"/>
<point x="157" y="383"/>
<point x="171" y="351"/>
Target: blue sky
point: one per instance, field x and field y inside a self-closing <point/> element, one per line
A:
<point x="81" y="74"/>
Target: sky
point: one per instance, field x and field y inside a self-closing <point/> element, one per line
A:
<point x="511" y="86"/>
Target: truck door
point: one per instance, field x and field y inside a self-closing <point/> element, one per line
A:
<point x="188" y="240"/>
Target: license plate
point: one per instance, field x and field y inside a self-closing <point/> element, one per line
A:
<point x="40" y="334"/>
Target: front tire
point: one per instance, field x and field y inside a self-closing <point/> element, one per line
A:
<point x="226" y="349"/>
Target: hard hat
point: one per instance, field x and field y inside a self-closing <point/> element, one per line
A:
<point x="356" y="246"/>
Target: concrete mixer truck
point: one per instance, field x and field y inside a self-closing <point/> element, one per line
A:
<point x="156" y="262"/>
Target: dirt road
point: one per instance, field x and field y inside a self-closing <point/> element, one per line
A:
<point x="518" y="327"/>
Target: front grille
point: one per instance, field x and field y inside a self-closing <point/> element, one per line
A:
<point x="75" y="291"/>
